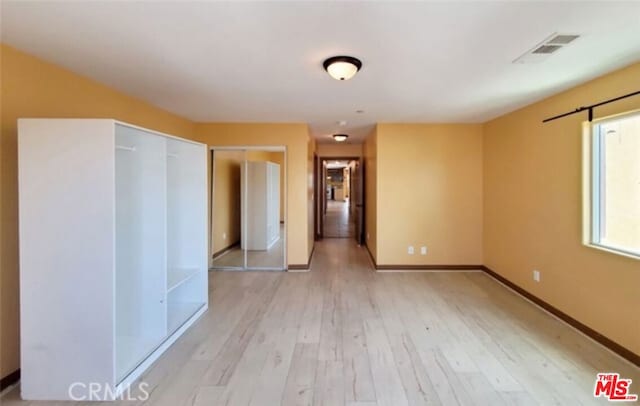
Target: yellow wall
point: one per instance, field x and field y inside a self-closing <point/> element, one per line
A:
<point x="296" y="139"/>
<point x="336" y="150"/>
<point x="532" y="211"/>
<point x="429" y="180"/>
<point x="226" y="199"/>
<point x="34" y="88"/>
<point x="370" y="150"/>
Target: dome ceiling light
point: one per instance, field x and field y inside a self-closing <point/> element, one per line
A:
<point x="342" y="67"/>
<point x="340" y="137"/>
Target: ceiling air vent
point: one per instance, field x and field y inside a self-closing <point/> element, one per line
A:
<point x="546" y="49"/>
<point x="550" y="45"/>
<point x="562" y="39"/>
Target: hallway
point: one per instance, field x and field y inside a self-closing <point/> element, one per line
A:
<point x="345" y="335"/>
<point x="338" y="221"/>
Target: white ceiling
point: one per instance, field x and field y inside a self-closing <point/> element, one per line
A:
<point x="262" y="61"/>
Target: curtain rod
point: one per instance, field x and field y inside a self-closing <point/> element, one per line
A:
<point x="590" y="108"/>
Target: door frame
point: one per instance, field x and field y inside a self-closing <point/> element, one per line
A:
<point x="320" y="182"/>
<point x="211" y="157"/>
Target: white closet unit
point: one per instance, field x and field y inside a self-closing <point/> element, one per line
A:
<point x="113" y="252"/>
<point x="260" y="192"/>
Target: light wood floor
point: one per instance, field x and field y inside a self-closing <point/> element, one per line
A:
<point x="338" y="222"/>
<point x="271" y="258"/>
<point x="345" y="335"/>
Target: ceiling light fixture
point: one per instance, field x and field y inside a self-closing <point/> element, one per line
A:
<point x="340" y="137"/>
<point x="342" y="67"/>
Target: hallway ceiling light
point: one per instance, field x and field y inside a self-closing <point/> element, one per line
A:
<point x="342" y="67"/>
<point x="340" y="137"/>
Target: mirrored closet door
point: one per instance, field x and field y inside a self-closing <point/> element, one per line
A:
<point x="248" y="209"/>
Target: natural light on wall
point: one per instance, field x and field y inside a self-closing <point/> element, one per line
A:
<point x="612" y="184"/>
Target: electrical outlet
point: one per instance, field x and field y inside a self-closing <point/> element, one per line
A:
<point x="536" y="275"/>
<point x="224" y="236"/>
<point x="410" y="250"/>
<point x="423" y="250"/>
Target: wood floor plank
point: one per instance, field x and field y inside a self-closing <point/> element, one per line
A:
<point x="359" y="384"/>
<point x="311" y="319"/>
<point x="388" y="385"/>
<point x="298" y="390"/>
<point x="417" y="385"/>
<point x="479" y="389"/>
<point x="243" y="298"/>
<point x="457" y="296"/>
<point x="207" y="395"/>
<point x="329" y="384"/>
<point x="182" y="390"/>
<point x="271" y="383"/>
<point x="331" y="328"/>
<point x="518" y="398"/>
<point x="536" y="373"/>
<point x="224" y="364"/>
<point x="243" y="382"/>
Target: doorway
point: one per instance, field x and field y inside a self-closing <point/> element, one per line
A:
<point x="248" y="208"/>
<point x="340" y="207"/>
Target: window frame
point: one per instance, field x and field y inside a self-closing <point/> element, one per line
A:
<point x="594" y="188"/>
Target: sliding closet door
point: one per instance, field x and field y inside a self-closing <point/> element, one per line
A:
<point x="265" y="210"/>
<point x="140" y="245"/>
<point x="226" y="227"/>
<point x="248" y="209"/>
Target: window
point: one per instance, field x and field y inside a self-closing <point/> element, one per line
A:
<point x="613" y="189"/>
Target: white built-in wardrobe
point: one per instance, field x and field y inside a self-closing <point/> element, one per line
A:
<point x="113" y="251"/>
